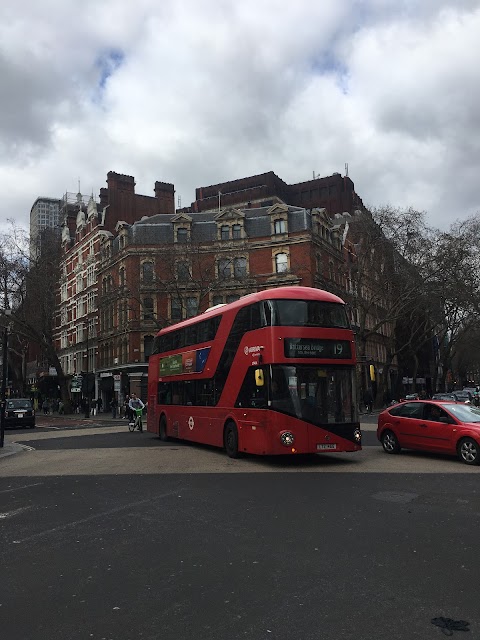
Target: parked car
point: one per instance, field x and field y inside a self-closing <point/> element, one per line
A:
<point x="444" y="396"/>
<point x="19" y="412"/>
<point x="463" y="396"/>
<point x="432" y="425"/>
<point x="410" y="396"/>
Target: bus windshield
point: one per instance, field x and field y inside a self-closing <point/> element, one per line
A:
<point x="322" y="395"/>
<point x="306" y="313"/>
<point x="319" y="394"/>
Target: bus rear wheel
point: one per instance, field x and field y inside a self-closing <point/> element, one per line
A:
<point x="162" y="430"/>
<point x="230" y="440"/>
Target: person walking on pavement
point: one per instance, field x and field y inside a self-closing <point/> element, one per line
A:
<point x="113" y="407"/>
<point x="368" y="400"/>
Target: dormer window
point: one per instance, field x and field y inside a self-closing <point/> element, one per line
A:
<point x="236" y="231"/>
<point x="225" y="232"/>
<point x="182" y="234"/>
<point x="280" y="226"/>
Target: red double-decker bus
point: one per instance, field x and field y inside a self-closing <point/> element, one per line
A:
<point x="272" y="373"/>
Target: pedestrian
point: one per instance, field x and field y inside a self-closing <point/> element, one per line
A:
<point x="94" y="407"/>
<point x="368" y="400"/>
<point x="46" y="407"/>
<point x="126" y="409"/>
<point x="113" y="407"/>
<point x="99" y="404"/>
<point x="61" y="408"/>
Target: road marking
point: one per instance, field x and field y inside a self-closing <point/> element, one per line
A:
<point x="9" y="514"/>
<point x="71" y="525"/>
<point x="25" y="486"/>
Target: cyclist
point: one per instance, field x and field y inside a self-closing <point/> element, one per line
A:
<point x="135" y="403"/>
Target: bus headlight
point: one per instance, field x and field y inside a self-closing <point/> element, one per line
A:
<point x="357" y="435"/>
<point x="287" y="438"/>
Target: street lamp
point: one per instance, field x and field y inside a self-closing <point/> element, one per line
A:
<point x="88" y="326"/>
<point x="3" y="399"/>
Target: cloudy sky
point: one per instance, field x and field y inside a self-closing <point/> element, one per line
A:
<point x="196" y="92"/>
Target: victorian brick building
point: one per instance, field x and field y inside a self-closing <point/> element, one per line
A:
<point x="77" y="321"/>
<point x="132" y="264"/>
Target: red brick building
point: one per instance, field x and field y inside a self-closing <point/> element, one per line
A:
<point x="77" y="328"/>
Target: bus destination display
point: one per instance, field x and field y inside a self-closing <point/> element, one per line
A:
<point x="317" y="348"/>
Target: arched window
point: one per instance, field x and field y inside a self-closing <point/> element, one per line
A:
<point x="224" y="271"/>
<point x="240" y="267"/>
<point x="147" y="271"/>
<point x="281" y="263"/>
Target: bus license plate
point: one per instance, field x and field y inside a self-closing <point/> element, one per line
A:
<point x="326" y="446"/>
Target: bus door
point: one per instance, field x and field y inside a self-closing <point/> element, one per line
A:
<point x="252" y="402"/>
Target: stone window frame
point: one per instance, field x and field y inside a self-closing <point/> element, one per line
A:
<point x="151" y="278"/>
<point x="275" y="264"/>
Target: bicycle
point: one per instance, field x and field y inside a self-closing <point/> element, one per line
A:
<point x="138" y="421"/>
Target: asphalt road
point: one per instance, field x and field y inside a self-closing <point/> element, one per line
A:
<point x="111" y="535"/>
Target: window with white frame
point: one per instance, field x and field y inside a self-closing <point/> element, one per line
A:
<point x="281" y="262"/>
<point x="224" y="232"/>
<point x="63" y="293"/>
<point x="79" y="282"/>
<point x="90" y="275"/>
<point x="63" y="316"/>
<point x="280" y="226"/>
<point x="90" y="301"/>
<point x="63" y="340"/>
<point x="236" y="231"/>
<point x="80" y="307"/>
<point x="79" y="332"/>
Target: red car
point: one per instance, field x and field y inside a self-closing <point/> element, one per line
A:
<point x="441" y="427"/>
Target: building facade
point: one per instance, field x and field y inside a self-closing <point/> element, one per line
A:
<point x="77" y="321"/>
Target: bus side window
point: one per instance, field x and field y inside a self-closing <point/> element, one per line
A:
<point x="164" y="393"/>
<point x="205" y="393"/>
<point x="189" y="388"/>
<point x="177" y="393"/>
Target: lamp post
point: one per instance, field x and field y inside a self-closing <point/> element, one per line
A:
<point x="87" y="385"/>
<point x="89" y="326"/>
<point x="3" y="399"/>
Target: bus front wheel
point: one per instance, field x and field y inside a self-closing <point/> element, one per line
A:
<point x="230" y="440"/>
<point x="162" y="430"/>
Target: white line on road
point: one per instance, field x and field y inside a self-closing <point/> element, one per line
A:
<point x="69" y="525"/>
<point x="9" y="514"/>
<point x="25" y="486"/>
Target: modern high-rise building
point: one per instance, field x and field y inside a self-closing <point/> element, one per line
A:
<point x="45" y="215"/>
